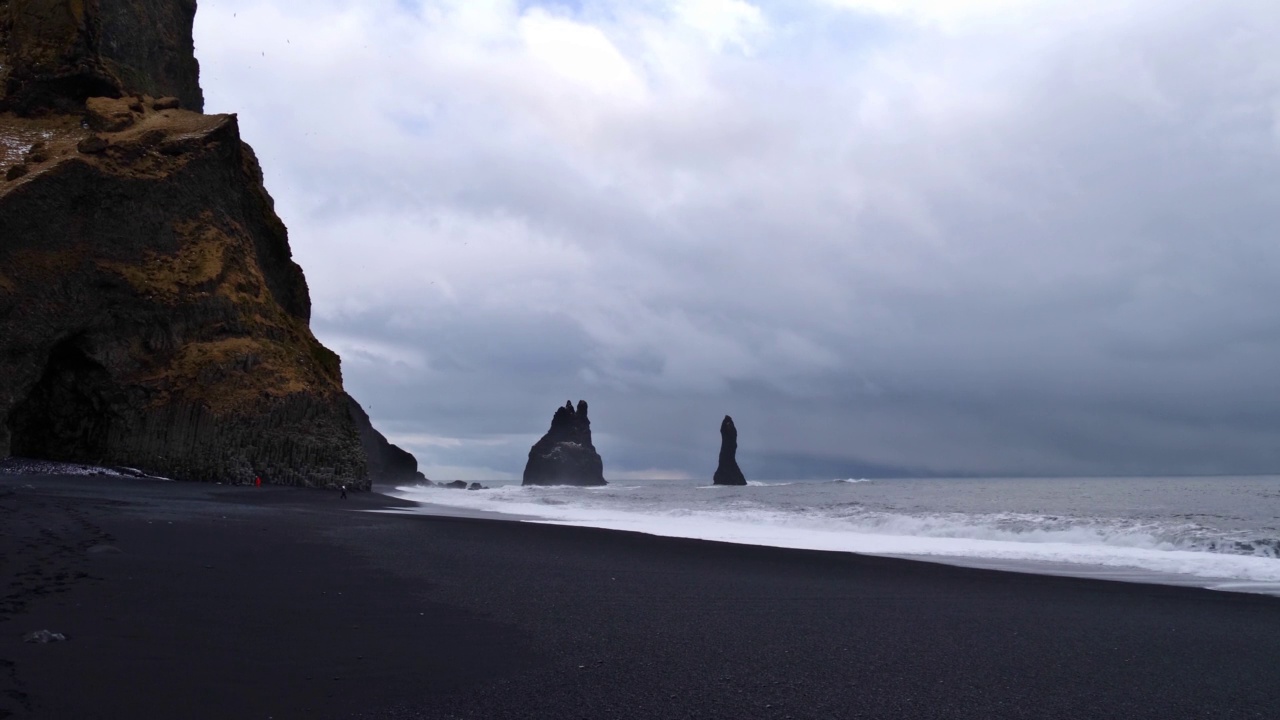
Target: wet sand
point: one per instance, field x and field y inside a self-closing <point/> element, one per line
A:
<point x="203" y="601"/>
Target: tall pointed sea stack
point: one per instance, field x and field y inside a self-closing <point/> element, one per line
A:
<point x="151" y="314"/>
<point x="565" y="455"/>
<point x="728" y="472"/>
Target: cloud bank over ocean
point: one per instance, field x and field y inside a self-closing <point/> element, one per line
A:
<point x="987" y="237"/>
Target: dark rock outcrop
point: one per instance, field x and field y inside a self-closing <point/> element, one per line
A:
<point x="147" y="44"/>
<point x="59" y="53"/>
<point x="151" y="314"/>
<point x="565" y="455"/>
<point x="53" y="55"/>
<point x="5" y="23"/>
<point x="387" y="463"/>
<point x="728" y="472"/>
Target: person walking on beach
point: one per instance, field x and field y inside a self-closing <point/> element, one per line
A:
<point x="343" y="496"/>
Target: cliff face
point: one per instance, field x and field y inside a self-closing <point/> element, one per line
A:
<point x="53" y="56"/>
<point x="566" y="455"/>
<point x="150" y="312"/>
<point x="61" y="52"/>
<point x="388" y="464"/>
<point x="147" y="44"/>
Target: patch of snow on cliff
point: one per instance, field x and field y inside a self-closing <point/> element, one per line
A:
<point x="24" y="466"/>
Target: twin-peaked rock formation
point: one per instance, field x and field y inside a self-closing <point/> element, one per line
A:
<point x="565" y="455"/>
<point x="151" y="314"/>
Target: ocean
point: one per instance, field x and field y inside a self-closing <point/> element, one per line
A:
<point x="1214" y="532"/>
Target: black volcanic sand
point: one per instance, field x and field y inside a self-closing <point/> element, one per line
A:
<point x="198" y="601"/>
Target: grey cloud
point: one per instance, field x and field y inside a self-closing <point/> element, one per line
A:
<point x="884" y="248"/>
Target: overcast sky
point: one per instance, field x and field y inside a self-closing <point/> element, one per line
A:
<point x="887" y="236"/>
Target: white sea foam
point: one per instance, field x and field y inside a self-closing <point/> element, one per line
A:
<point x="1165" y="551"/>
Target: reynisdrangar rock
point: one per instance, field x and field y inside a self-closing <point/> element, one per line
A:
<point x="566" y="455"/>
<point x="727" y="471"/>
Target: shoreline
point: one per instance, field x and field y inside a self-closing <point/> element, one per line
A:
<point x="1161" y="566"/>
<point x="223" y="601"/>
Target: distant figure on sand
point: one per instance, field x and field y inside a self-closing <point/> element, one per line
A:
<point x="343" y="496"/>
<point x="257" y="481"/>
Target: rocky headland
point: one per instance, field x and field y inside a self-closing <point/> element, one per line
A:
<point x="151" y="314"/>
<point x="387" y="463"/>
<point x="566" y="455"/>
<point x="728" y="472"/>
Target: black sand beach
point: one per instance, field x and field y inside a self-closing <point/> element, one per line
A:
<point x="200" y="601"/>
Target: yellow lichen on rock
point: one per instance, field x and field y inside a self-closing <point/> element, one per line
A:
<point x="203" y="367"/>
<point x="273" y="354"/>
<point x="229" y="375"/>
<point x="170" y="277"/>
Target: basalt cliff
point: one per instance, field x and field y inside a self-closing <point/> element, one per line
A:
<point x="151" y="314"/>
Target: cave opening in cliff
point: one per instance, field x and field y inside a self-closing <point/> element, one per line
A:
<point x="66" y="416"/>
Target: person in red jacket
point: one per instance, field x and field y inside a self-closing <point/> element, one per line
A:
<point x="257" y="481"/>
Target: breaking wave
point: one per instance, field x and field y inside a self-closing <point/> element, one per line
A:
<point x="1166" y="549"/>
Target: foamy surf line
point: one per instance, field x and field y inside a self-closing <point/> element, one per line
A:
<point x="1082" y="553"/>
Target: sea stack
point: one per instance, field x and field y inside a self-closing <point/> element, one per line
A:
<point x="565" y="455"/>
<point x="728" y="472"/>
<point x="151" y="314"/>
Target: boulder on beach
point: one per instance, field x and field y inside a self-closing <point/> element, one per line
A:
<point x="728" y="472"/>
<point x="565" y="455"/>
